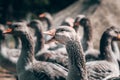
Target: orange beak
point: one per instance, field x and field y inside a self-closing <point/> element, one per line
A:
<point x="118" y="36"/>
<point x="42" y="15"/>
<point x="7" y="31"/>
<point x="50" y="32"/>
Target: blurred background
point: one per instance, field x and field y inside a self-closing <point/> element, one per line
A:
<point x="102" y="13"/>
<point x="17" y="9"/>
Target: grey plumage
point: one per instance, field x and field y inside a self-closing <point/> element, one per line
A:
<point x="28" y="68"/>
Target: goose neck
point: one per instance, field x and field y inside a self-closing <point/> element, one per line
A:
<point x="27" y="52"/>
<point x="106" y="49"/>
<point x="27" y="46"/>
<point x="76" y="60"/>
<point x="87" y="37"/>
<point x="49" y="23"/>
<point x="40" y="41"/>
<point x="115" y="47"/>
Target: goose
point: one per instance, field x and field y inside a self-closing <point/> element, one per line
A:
<point x="102" y="69"/>
<point x="28" y="68"/>
<point x="16" y="39"/>
<point x="8" y="57"/>
<point x="47" y="21"/>
<point x="48" y="18"/>
<point x="43" y="53"/>
<point x="87" y="40"/>
<point x="37" y="26"/>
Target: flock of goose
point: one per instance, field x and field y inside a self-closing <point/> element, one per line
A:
<point x="42" y="53"/>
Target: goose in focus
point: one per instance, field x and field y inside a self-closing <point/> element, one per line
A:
<point x="68" y="37"/>
<point x="102" y="69"/>
<point x="28" y="68"/>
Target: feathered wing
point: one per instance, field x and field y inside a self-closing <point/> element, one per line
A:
<point x="50" y="71"/>
<point x="98" y="70"/>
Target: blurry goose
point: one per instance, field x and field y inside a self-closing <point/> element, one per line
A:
<point x="47" y="21"/>
<point x="48" y="18"/>
<point x="102" y="69"/>
<point x="16" y="39"/>
<point x="68" y="37"/>
<point x="87" y="39"/>
<point x="37" y="26"/>
<point x="8" y="57"/>
<point x="28" y="68"/>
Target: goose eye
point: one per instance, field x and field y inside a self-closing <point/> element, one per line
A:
<point x="15" y="26"/>
<point x="61" y="30"/>
<point x="116" y="32"/>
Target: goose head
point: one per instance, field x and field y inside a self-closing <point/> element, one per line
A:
<point x="79" y="20"/>
<point x="113" y="33"/>
<point x="82" y="20"/>
<point x="17" y="28"/>
<point x="63" y="34"/>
